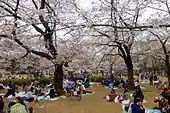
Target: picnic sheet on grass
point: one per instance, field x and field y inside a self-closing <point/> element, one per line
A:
<point x="88" y="94"/>
<point x="147" y="111"/>
<point x="43" y="98"/>
<point x="110" y="87"/>
<point x="152" y="111"/>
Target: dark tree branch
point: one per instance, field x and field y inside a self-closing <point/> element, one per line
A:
<point x="41" y="54"/>
<point x="42" y="4"/>
<point x="38" y="29"/>
<point x="8" y="5"/>
<point x="166" y="40"/>
<point x="159" y="38"/>
<point x="9" y="11"/>
<point x="103" y="34"/>
<point x="3" y="35"/>
<point x="35" y="4"/>
<point x="44" y="23"/>
<point x="25" y="54"/>
<point x="16" y="8"/>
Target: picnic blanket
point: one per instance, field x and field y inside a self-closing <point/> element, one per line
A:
<point x="88" y="94"/>
<point x="152" y="111"/>
<point x="146" y="111"/>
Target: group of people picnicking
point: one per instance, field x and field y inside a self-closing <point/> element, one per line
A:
<point x="133" y="103"/>
<point x="35" y="93"/>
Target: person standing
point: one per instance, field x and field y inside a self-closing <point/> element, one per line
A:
<point x="151" y="80"/>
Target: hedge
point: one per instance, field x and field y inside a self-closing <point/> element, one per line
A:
<point x="21" y="82"/>
<point x="98" y="78"/>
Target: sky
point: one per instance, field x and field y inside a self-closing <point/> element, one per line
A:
<point x="87" y="4"/>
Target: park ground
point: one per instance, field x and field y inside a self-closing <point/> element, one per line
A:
<point x="92" y="103"/>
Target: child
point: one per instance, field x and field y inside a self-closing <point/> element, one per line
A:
<point x="112" y="95"/>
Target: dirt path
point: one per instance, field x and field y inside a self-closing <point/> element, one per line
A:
<point x="89" y="104"/>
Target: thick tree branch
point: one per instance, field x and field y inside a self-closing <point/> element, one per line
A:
<point x="38" y="29"/>
<point x="41" y="54"/>
<point x="35" y="4"/>
<point x="9" y="11"/>
<point x="42" y="4"/>
<point x="16" y="8"/>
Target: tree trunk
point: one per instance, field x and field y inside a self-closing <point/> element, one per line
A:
<point x="167" y="68"/>
<point x="128" y="61"/>
<point x="129" y="65"/>
<point x="58" y="79"/>
<point x="111" y="69"/>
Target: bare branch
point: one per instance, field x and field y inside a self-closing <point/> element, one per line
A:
<point x="35" y="4"/>
<point x="103" y="34"/>
<point x="16" y="8"/>
<point x="156" y="36"/>
<point x="25" y="54"/>
<point x="38" y="29"/>
<point x="42" y="4"/>
<point x="166" y="40"/>
<point x="12" y="13"/>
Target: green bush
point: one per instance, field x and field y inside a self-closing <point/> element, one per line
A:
<point x="21" y="82"/>
<point x="98" y="78"/>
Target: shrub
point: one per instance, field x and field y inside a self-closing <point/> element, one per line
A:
<point x="21" y="82"/>
<point x="98" y="78"/>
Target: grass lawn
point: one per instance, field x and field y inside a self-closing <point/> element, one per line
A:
<point x="90" y="104"/>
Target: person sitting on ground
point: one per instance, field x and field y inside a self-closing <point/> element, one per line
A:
<point x="125" y="99"/>
<point x="125" y="95"/>
<point x="112" y="95"/>
<point x="166" y="94"/>
<point x="80" y="87"/>
<point x="29" y="97"/>
<point x="137" y="80"/>
<point x="163" y="103"/>
<point x="138" y="93"/>
<point x="52" y="93"/>
<point x="1" y="105"/>
<point x="151" y="80"/>
<point x="136" y="106"/>
<point x="19" y="107"/>
<point x="11" y="90"/>
<point x="121" y="83"/>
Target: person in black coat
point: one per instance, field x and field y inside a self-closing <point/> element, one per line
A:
<point x="139" y="93"/>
